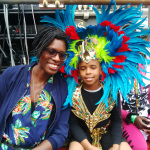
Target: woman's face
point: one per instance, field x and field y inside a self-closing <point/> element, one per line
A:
<point x="49" y="64"/>
<point x="89" y="73"/>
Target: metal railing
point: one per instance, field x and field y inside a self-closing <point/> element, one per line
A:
<point x="82" y="2"/>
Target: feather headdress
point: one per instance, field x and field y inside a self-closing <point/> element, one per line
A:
<point x="119" y="48"/>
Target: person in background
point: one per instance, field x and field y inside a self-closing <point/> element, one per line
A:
<point x="32" y="97"/>
<point x="135" y="118"/>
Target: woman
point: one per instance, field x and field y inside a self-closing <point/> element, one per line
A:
<point x="32" y="96"/>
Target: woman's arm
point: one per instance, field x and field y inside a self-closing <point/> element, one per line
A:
<point x="3" y="86"/>
<point x="60" y="132"/>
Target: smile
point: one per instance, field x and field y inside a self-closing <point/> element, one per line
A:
<point x="89" y="79"/>
<point x="52" y="66"/>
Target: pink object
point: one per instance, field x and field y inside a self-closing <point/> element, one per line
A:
<point x="124" y="114"/>
<point x="133" y="134"/>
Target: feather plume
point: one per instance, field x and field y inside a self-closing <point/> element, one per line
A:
<point x="118" y="47"/>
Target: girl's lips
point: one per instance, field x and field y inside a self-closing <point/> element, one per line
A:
<point x="89" y="79"/>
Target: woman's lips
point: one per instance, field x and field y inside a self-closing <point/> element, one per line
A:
<point x="53" y="67"/>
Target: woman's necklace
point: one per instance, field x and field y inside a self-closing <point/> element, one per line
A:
<point x="39" y="91"/>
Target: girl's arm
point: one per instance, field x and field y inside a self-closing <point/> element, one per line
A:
<point x="116" y="123"/>
<point x="76" y="130"/>
<point x="79" y="134"/>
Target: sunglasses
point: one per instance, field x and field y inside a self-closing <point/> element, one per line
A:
<point x="52" y="53"/>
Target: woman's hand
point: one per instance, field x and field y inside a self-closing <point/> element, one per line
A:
<point x="115" y="147"/>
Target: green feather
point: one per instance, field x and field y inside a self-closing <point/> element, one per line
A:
<point x="101" y="52"/>
<point x="74" y="60"/>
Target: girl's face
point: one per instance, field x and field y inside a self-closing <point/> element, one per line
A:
<point x="89" y="73"/>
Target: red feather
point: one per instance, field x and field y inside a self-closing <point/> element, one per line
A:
<point x="70" y="31"/>
<point x="118" y="66"/>
<point x="124" y="48"/>
<point x="105" y="23"/>
<point x="115" y="28"/>
<point x="125" y="38"/>
<point x="74" y="73"/>
<point x="112" y="26"/>
<point x="110" y="70"/>
<point x="119" y="59"/>
<point x="62" y="69"/>
<point x="103" y="76"/>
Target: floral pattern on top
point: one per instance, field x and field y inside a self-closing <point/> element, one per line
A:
<point x="23" y="106"/>
<point x="25" y="128"/>
<point x="20" y="132"/>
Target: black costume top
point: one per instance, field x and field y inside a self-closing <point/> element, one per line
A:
<point x="80" y="130"/>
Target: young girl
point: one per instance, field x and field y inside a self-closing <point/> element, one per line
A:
<point x="94" y="127"/>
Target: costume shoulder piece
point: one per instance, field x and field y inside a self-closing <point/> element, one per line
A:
<point x="114" y="41"/>
<point x="101" y="113"/>
<point x="81" y="111"/>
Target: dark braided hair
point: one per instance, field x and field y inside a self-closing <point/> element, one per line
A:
<point x="46" y="36"/>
